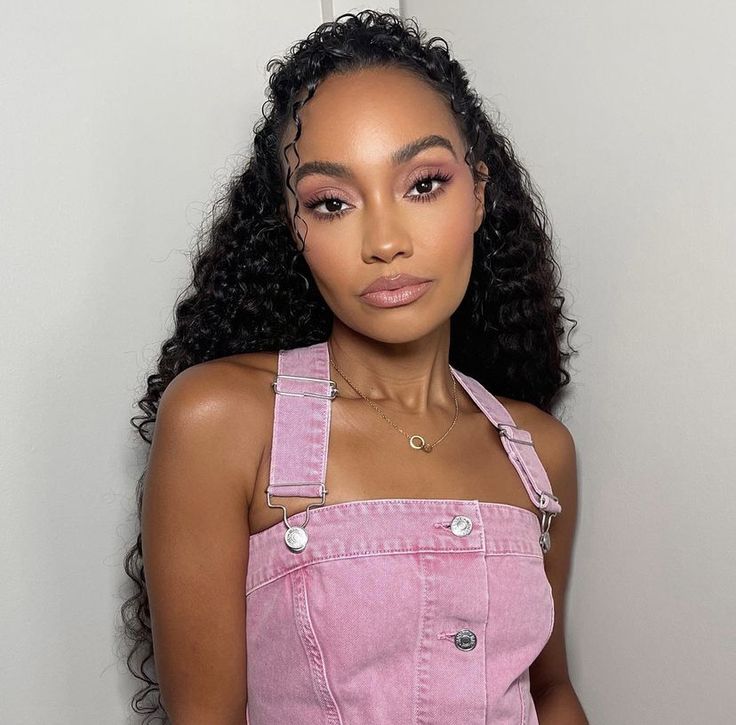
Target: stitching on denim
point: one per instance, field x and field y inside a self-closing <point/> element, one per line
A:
<point x="510" y="509"/>
<point x="532" y="479"/>
<point x="477" y="392"/>
<point x="420" y="657"/>
<point x="525" y="476"/>
<point x="357" y="555"/>
<point x="421" y="503"/>
<point x="545" y="474"/>
<point x="362" y="554"/>
<point x="485" y="628"/>
<point x="314" y="652"/>
<point x="324" y="410"/>
<point x="276" y="415"/>
<point x="482" y="528"/>
<point x="521" y="698"/>
<point x="552" y="609"/>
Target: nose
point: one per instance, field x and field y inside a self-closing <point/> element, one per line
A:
<point x="385" y="234"/>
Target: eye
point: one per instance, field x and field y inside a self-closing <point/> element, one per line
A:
<point x="430" y="194"/>
<point x="425" y="195"/>
<point x="312" y="204"/>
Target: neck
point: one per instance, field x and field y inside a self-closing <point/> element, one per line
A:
<point x="412" y="376"/>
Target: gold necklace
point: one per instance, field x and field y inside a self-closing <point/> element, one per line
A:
<point x="417" y="442"/>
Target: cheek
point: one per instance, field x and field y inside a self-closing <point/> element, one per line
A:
<point x="452" y="237"/>
<point x="329" y="269"/>
<point x="455" y="219"/>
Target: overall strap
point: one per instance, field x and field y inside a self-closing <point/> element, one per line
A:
<point x="301" y="423"/>
<point x="518" y="445"/>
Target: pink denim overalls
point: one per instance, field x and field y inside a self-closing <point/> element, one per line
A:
<point x="392" y="611"/>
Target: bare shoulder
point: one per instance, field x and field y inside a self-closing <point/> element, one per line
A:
<point x="232" y="398"/>
<point x="227" y="380"/>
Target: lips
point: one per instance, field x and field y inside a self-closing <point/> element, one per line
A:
<point x="393" y="283"/>
<point x="397" y="297"/>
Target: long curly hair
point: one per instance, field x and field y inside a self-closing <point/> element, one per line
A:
<point x="251" y="289"/>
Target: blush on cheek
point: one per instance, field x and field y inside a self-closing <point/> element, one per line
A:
<point x="457" y="244"/>
<point x="331" y="275"/>
<point x="460" y="258"/>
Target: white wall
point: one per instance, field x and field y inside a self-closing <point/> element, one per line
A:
<point x="120" y="122"/>
<point x="624" y="114"/>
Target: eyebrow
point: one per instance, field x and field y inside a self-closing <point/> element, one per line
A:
<point x="398" y="157"/>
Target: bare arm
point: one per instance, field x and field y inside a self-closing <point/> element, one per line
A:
<point x="195" y="544"/>
<point x="554" y="697"/>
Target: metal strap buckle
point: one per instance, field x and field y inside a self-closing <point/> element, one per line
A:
<point x="503" y="432"/>
<point x="543" y="500"/>
<point x="331" y="395"/>
<point x="545" y="540"/>
<point x="309" y="506"/>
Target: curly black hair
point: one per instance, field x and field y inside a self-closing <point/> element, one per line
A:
<point x="251" y="289"/>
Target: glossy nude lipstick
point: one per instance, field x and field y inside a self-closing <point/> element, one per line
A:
<point x="395" y="291"/>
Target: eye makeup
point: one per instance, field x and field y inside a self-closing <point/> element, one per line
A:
<point x="436" y="175"/>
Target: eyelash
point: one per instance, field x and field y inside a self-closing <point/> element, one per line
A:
<point x="430" y="196"/>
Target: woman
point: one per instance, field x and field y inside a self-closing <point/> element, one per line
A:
<point x="340" y="523"/>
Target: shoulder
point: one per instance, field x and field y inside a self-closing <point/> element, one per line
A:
<point x="195" y="530"/>
<point x="553" y="442"/>
<point x="223" y="408"/>
<point x="230" y="374"/>
<point x="225" y="389"/>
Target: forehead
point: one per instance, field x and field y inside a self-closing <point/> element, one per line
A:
<point x="363" y="116"/>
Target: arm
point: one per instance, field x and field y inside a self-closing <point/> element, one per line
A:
<point x="195" y="545"/>
<point x="552" y="691"/>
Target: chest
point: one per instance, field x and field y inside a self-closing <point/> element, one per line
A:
<point x="369" y="459"/>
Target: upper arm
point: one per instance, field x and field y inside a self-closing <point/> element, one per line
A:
<point x="556" y="449"/>
<point x="195" y="535"/>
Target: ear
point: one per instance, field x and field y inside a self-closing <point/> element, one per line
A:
<point x="479" y="191"/>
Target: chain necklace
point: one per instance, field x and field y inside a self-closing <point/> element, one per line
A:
<point x="417" y="442"/>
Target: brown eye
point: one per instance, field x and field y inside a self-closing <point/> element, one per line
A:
<point x="329" y="202"/>
<point x="424" y="186"/>
<point x="334" y="202"/>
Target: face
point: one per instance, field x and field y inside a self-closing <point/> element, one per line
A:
<point x="374" y="203"/>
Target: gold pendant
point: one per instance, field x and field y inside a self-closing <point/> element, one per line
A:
<point x="421" y="445"/>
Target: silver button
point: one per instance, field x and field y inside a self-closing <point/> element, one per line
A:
<point x="296" y="538"/>
<point x="461" y="526"/>
<point x="465" y="639"/>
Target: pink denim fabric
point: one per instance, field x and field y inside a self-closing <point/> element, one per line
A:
<point x="397" y="611"/>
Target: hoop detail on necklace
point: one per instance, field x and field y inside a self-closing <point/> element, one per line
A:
<point x="416" y="442"/>
<point x="421" y="445"/>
